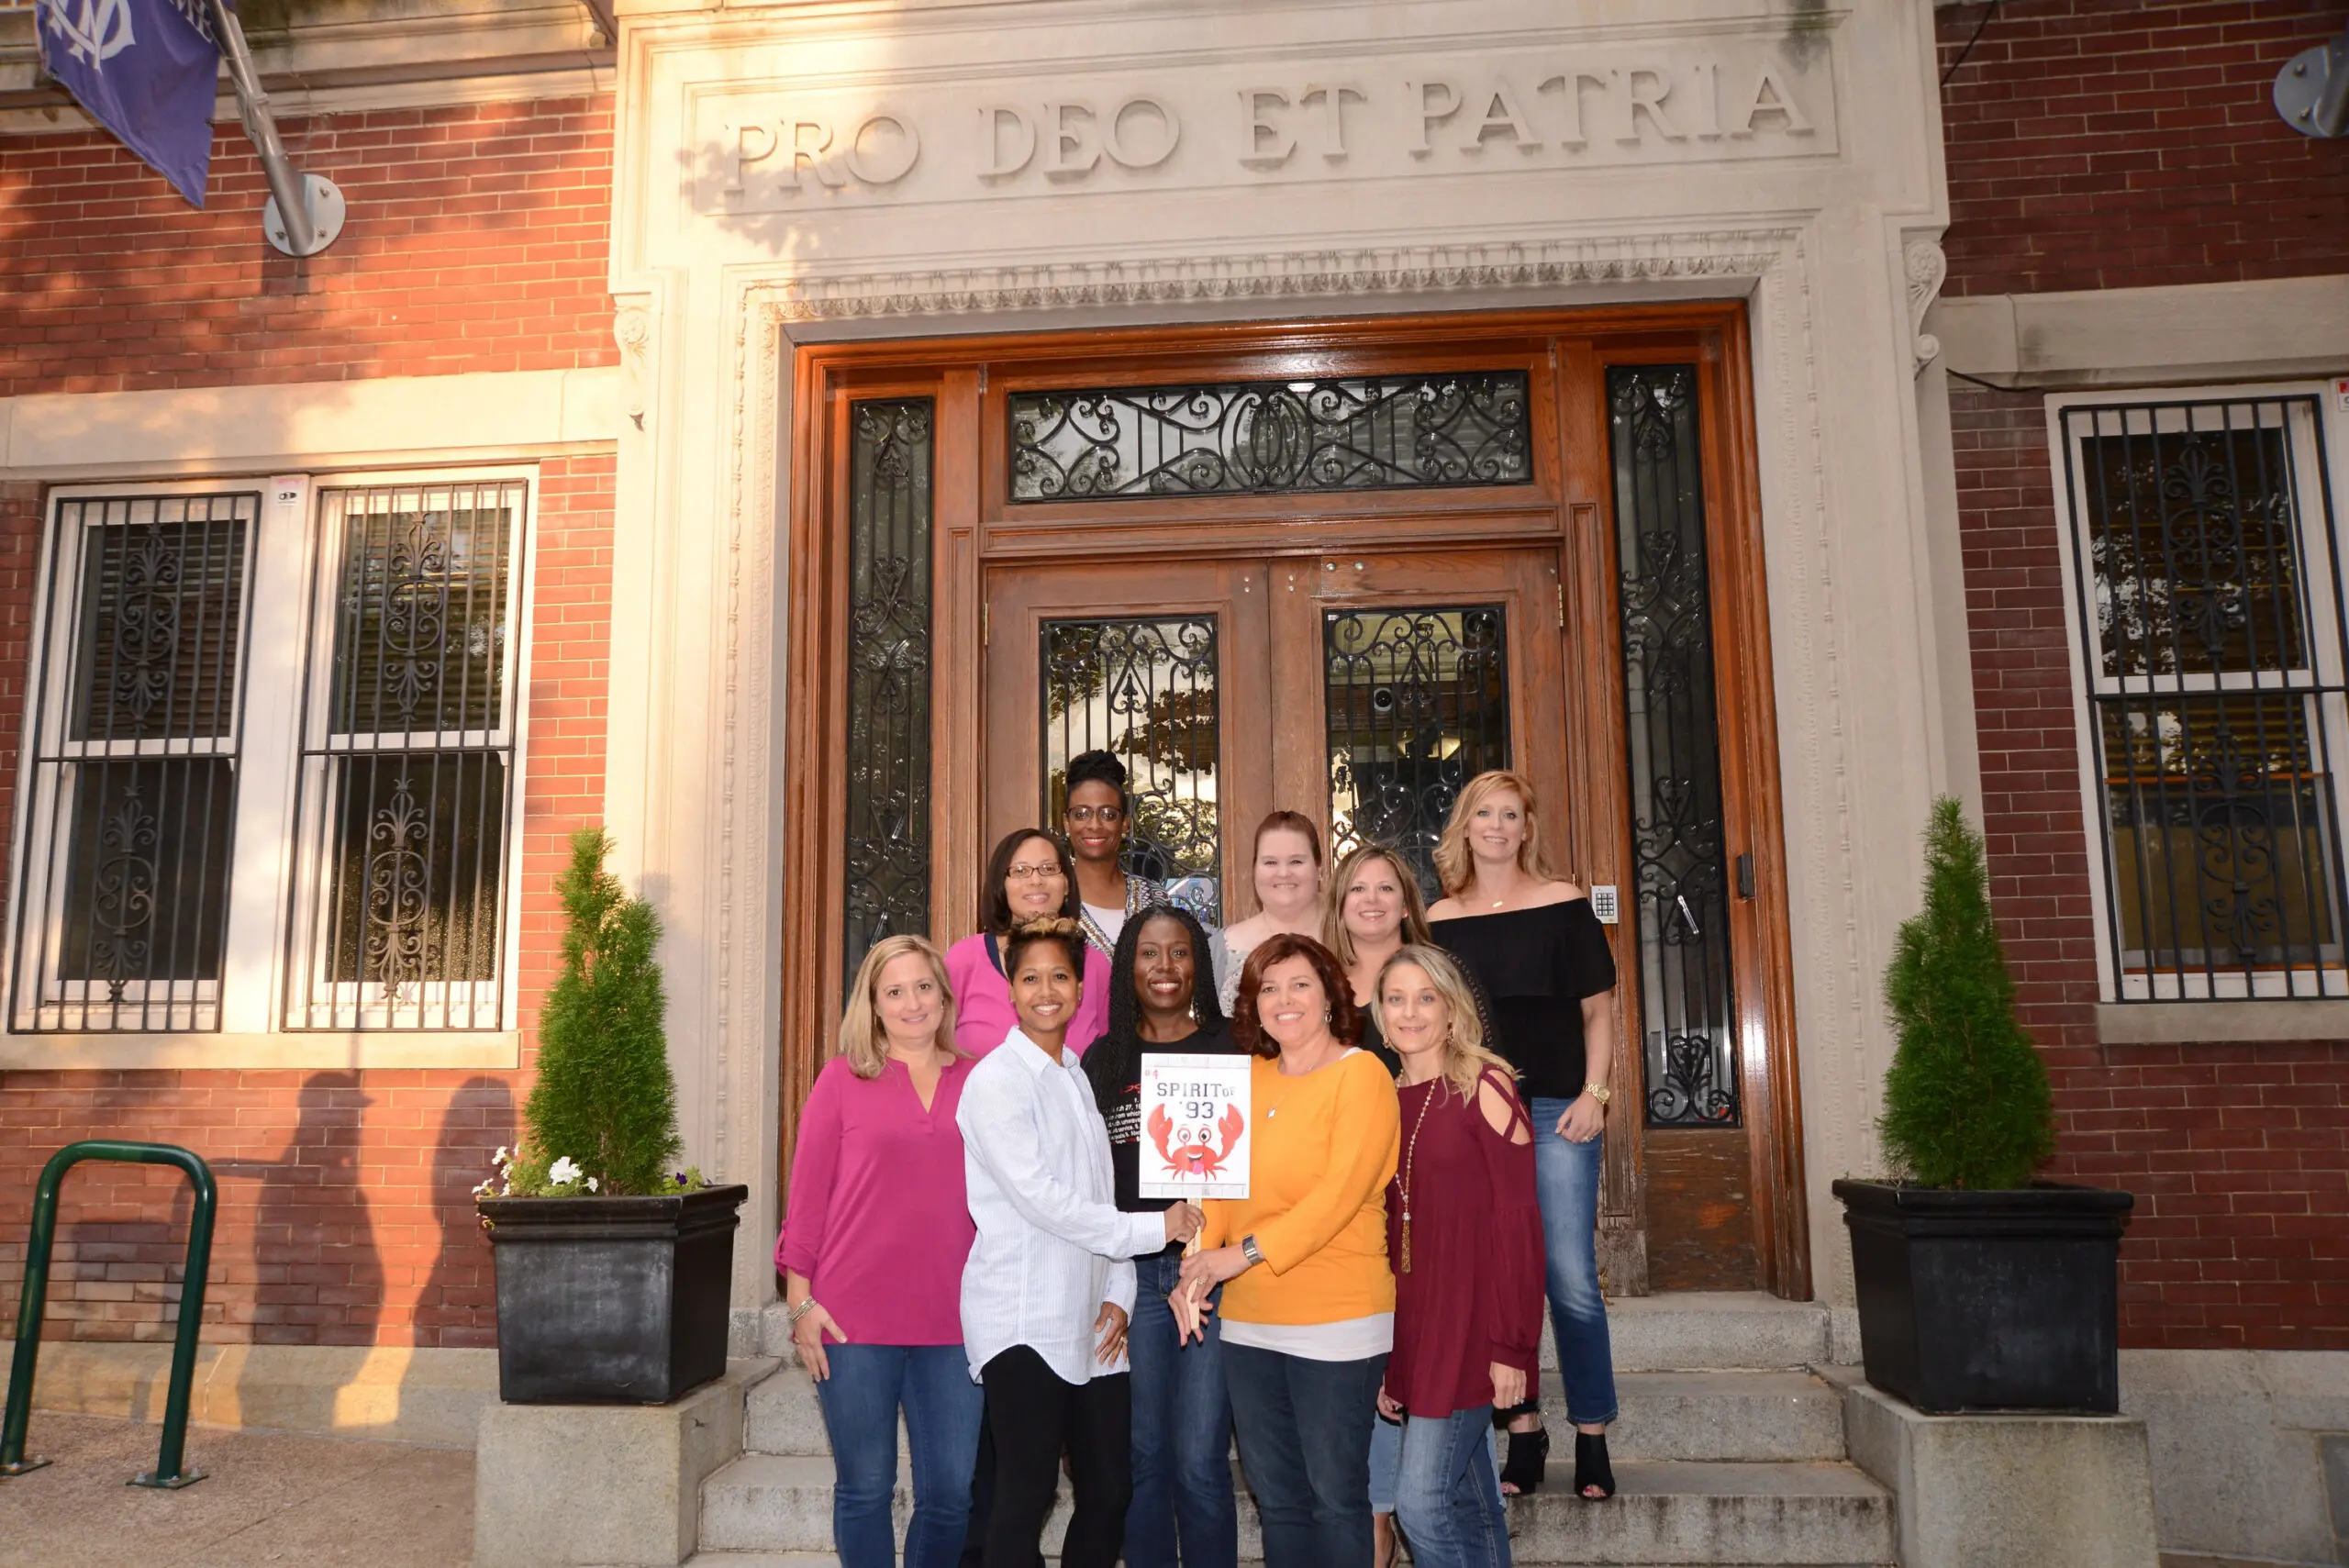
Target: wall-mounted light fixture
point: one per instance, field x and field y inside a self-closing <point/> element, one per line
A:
<point x="2312" y="90"/>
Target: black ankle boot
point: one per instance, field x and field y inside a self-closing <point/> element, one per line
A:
<point x="1529" y="1459"/>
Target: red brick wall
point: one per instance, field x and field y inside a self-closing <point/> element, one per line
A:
<point x="2093" y="145"/>
<point x="2239" y="1154"/>
<point x="478" y="241"/>
<point x="345" y="1208"/>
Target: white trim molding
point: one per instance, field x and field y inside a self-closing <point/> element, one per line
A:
<point x="2276" y="330"/>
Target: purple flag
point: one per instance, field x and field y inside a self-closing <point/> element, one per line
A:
<point x="147" y="70"/>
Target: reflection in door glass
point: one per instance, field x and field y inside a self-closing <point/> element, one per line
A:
<point x="1144" y="691"/>
<point x="1679" y="862"/>
<point x="1417" y="705"/>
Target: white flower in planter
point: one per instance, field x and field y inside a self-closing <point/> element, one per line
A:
<point x="564" y="1171"/>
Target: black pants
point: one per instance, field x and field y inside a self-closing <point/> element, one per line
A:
<point x="1032" y="1418"/>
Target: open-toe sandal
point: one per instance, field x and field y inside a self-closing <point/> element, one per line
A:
<point x="1528" y="1458"/>
<point x="1591" y="1469"/>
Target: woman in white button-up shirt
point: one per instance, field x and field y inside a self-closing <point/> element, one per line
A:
<point x="1050" y="1282"/>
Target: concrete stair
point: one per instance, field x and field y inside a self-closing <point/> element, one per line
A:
<point x="1728" y="1453"/>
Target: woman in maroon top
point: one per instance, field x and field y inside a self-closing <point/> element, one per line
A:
<point x="1463" y="1235"/>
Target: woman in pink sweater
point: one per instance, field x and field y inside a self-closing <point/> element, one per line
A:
<point x="1030" y="877"/>
<point x="873" y="1249"/>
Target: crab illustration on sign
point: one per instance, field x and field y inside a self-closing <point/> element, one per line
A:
<point x="97" y="32"/>
<point x="1197" y="1159"/>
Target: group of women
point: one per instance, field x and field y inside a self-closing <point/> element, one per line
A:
<point x="966" y="1242"/>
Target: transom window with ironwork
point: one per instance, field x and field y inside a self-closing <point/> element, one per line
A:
<point x="1389" y="432"/>
<point x="2203" y="560"/>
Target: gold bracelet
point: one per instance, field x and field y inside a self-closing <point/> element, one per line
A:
<point x="1598" y="1092"/>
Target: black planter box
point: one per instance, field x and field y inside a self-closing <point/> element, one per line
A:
<point x="1989" y="1301"/>
<point x="611" y="1300"/>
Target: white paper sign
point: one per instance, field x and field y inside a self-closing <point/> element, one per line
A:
<point x="1195" y="1126"/>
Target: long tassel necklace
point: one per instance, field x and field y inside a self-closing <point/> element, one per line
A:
<point x="1403" y="1175"/>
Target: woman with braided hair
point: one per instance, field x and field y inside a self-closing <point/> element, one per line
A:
<point x="1161" y="998"/>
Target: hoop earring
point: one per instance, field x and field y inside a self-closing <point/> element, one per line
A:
<point x="1325" y="1015"/>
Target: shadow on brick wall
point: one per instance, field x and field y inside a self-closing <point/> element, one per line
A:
<point x="458" y="1304"/>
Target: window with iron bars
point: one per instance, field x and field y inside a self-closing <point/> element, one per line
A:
<point x="275" y="759"/>
<point x="2204" y="564"/>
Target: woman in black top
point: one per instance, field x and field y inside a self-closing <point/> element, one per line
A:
<point x="1541" y="958"/>
<point x="1161" y="998"/>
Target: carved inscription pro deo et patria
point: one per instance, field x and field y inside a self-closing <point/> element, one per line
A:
<point x="785" y="149"/>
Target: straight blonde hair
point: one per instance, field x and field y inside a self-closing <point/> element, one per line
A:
<point x="1464" y="1056"/>
<point x="863" y="1040"/>
<point x="1454" y="866"/>
<point x="1334" y="934"/>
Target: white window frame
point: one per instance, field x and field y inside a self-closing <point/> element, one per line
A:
<point x="290" y="544"/>
<point x="2322" y="452"/>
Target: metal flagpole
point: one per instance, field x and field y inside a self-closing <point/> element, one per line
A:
<point x="305" y="211"/>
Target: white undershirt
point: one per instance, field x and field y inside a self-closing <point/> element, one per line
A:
<point x="1111" y="921"/>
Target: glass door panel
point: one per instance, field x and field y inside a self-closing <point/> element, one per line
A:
<point x="1143" y="689"/>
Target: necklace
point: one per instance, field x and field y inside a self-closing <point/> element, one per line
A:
<point x="1403" y="1174"/>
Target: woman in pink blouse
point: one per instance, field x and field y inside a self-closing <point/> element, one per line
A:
<point x="871" y="1251"/>
<point x="1030" y="877"/>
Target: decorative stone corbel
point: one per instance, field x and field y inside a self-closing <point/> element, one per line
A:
<point x="1927" y="267"/>
<point x="632" y="330"/>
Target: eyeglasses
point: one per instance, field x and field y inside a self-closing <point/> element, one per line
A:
<point x="1103" y="813"/>
<point x="1025" y="873"/>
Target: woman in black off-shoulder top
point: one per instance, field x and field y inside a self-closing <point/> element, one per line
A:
<point x="1541" y="958"/>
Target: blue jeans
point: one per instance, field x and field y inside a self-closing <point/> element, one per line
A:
<point x="1565" y="1175"/>
<point x="943" y="1408"/>
<point x="1447" y="1497"/>
<point x="1182" y="1455"/>
<point x="1387" y="1463"/>
<point x="1304" y="1429"/>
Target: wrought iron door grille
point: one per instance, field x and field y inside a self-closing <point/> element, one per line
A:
<point x="1145" y="690"/>
<point x="887" y="851"/>
<point x="403" y="814"/>
<point x="1392" y="432"/>
<point x="1415" y="704"/>
<point x="1680" y="888"/>
<point x="122" y="911"/>
<point x="2204" y="560"/>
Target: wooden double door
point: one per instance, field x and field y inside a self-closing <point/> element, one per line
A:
<point x="1338" y="568"/>
<point x="1359" y="688"/>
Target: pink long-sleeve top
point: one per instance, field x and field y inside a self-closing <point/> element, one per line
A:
<point x="983" y="1012"/>
<point x="877" y="1217"/>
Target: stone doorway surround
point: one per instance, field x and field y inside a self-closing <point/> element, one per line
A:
<point x="1791" y="160"/>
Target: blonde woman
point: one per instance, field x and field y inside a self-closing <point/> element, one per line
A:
<point x="1464" y="1237"/>
<point x="1534" y="948"/>
<point x="1284" y="874"/>
<point x="1373" y="909"/>
<point x="871" y="1253"/>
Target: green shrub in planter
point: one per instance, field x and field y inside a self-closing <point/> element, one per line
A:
<point x="1978" y="1289"/>
<point x="1966" y="1104"/>
<point x="613" y="1269"/>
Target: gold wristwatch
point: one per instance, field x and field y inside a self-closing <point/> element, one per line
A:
<point x="1598" y="1092"/>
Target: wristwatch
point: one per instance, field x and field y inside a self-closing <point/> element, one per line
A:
<point x="1248" y="1251"/>
<point x="1598" y="1092"/>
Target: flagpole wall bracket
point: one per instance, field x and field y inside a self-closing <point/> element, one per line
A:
<point x="323" y="199"/>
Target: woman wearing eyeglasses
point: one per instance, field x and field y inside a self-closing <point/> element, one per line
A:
<point x="1095" y="821"/>
<point x="1029" y="877"/>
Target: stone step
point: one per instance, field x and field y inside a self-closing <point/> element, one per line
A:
<point x="827" y="1560"/>
<point x="1683" y="1331"/>
<point x="1712" y="1330"/>
<point x="1702" y="1416"/>
<point x="1668" y="1512"/>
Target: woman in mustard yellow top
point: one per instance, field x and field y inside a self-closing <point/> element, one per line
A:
<point x="1309" y="1314"/>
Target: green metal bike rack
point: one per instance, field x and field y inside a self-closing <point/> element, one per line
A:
<point x="170" y="1471"/>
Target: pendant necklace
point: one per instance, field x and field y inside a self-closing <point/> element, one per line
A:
<point x="1403" y="1176"/>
